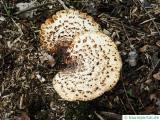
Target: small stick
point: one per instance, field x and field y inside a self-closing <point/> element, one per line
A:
<point x="62" y="3"/>
<point x="41" y="5"/>
<point x="111" y="115"/>
<point x="131" y="28"/>
<point x="149" y="75"/>
<point x="126" y="33"/>
<point x="154" y="23"/>
<point x="21" y="101"/>
<point x="5" y="7"/>
<point x="147" y="21"/>
<point x="128" y="98"/>
<point x="123" y="104"/>
<point x="32" y="8"/>
<point x="99" y="116"/>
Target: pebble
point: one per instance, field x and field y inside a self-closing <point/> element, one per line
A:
<point x="158" y="43"/>
<point x="106" y="32"/>
<point x="2" y="18"/>
<point x="51" y="60"/>
<point x="156" y="76"/>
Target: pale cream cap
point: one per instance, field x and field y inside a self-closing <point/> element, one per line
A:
<point x="96" y="71"/>
<point x="61" y="29"/>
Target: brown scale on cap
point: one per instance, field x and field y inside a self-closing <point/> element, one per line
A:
<point x="94" y="73"/>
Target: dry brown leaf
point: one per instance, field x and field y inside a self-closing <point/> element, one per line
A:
<point x="148" y="110"/>
<point x="144" y="48"/>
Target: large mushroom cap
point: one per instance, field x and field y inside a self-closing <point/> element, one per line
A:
<point x="62" y="28"/>
<point x="97" y="68"/>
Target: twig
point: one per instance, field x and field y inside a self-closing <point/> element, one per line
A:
<point x="21" y="101"/>
<point x="131" y="28"/>
<point x="128" y="98"/>
<point x="149" y="75"/>
<point x="41" y="5"/>
<point x="7" y="54"/>
<point x="5" y="7"/>
<point x="19" y="30"/>
<point x="32" y="8"/>
<point x="62" y="3"/>
<point x="147" y="21"/>
<point x="99" y="116"/>
<point x="123" y="104"/>
<point x="126" y="33"/>
<point x="139" y="99"/>
<point x="111" y="115"/>
<point x="154" y="23"/>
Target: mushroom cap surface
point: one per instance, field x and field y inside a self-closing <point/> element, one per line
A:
<point x="61" y="29"/>
<point x="96" y="69"/>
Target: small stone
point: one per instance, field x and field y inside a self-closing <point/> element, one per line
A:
<point x="23" y="78"/>
<point x="2" y="18"/>
<point x="106" y="32"/>
<point x="117" y="42"/>
<point x="9" y="44"/>
<point x="153" y="97"/>
<point x="156" y="76"/>
<point x="148" y="81"/>
<point x="158" y="43"/>
<point x="51" y="60"/>
<point x="0" y="36"/>
<point x="50" y="6"/>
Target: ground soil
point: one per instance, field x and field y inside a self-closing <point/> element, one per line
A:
<point x="26" y="90"/>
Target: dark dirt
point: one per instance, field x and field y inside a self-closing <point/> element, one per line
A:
<point x="26" y="90"/>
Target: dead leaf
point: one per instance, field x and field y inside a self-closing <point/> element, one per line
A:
<point x="148" y="110"/>
<point x="144" y="48"/>
<point x="24" y="116"/>
<point x="153" y="97"/>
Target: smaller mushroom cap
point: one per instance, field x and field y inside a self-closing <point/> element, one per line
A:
<point x="96" y="68"/>
<point x="61" y="29"/>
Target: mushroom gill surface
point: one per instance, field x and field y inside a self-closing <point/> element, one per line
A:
<point x="96" y="69"/>
<point x="61" y="29"/>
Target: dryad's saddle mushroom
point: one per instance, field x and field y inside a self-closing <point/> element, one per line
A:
<point x="94" y="62"/>
<point x="61" y="29"/>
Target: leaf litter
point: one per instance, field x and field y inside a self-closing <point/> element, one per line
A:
<point x="26" y="90"/>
